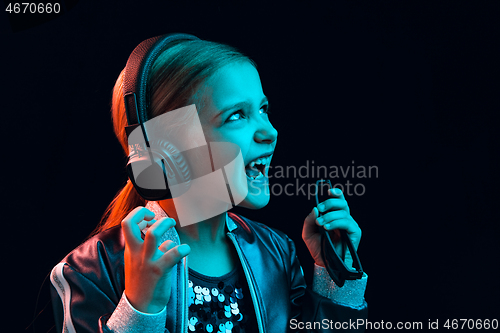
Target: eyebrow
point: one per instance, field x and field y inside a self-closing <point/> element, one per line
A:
<point x="239" y="106"/>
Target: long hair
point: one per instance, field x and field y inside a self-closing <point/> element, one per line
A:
<point x="175" y="77"/>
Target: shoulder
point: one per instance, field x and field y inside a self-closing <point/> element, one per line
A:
<point x="93" y="271"/>
<point x="98" y="255"/>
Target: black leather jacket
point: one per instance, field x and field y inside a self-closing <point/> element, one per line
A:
<point x="88" y="283"/>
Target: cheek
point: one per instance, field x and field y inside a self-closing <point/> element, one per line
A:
<point x="210" y="134"/>
<point x="240" y="140"/>
<point x="238" y="136"/>
<point x="243" y="141"/>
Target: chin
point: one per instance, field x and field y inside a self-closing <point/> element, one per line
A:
<point x="256" y="198"/>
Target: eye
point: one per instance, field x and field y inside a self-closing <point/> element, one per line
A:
<point x="240" y="114"/>
<point x="265" y="109"/>
<point x="235" y="116"/>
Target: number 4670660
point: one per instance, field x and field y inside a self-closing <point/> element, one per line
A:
<point x="471" y="324"/>
<point x="33" y="8"/>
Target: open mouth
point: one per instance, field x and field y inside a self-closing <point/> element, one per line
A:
<point x="257" y="168"/>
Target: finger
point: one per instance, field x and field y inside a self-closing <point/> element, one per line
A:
<point x="309" y="227"/>
<point x="146" y="224"/>
<point x="140" y="213"/>
<point x="332" y="204"/>
<point x="336" y="193"/>
<point x="344" y="224"/>
<point x="174" y="255"/>
<point x="166" y="245"/>
<point x="153" y="236"/>
<point x="349" y="225"/>
<point x="331" y="216"/>
<point x="130" y="225"/>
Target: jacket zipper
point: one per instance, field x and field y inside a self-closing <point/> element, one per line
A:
<point x="250" y="283"/>
<point x="184" y="286"/>
<point x="184" y="296"/>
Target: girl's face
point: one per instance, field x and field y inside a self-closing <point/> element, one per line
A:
<point x="234" y="109"/>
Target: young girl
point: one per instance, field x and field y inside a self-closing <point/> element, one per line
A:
<point x="242" y="276"/>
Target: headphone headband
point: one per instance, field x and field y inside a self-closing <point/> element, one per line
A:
<point x="136" y="75"/>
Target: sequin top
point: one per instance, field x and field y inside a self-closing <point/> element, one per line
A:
<point x="220" y="304"/>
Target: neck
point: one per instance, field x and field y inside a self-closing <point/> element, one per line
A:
<point x="205" y="233"/>
<point x="208" y="243"/>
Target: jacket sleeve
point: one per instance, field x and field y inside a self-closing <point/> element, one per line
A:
<point x="81" y="306"/>
<point x="325" y="307"/>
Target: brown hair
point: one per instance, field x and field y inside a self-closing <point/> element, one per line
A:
<point x="175" y="77"/>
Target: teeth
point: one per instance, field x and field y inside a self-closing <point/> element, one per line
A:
<point x="259" y="161"/>
<point x="257" y="177"/>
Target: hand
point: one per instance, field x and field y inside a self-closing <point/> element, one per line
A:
<point x="148" y="264"/>
<point x="336" y="216"/>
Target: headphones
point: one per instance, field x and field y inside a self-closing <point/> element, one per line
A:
<point x="151" y="165"/>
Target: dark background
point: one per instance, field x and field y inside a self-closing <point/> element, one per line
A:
<point x="409" y="87"/>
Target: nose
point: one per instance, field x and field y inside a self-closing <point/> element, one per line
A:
<point x="266" y="133"/>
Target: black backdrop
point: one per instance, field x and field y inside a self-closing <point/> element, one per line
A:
<point x="410" y="88"/>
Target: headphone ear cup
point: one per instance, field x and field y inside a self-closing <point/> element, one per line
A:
<point x="160" y="172"/>
<point x="142" y="175"/>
